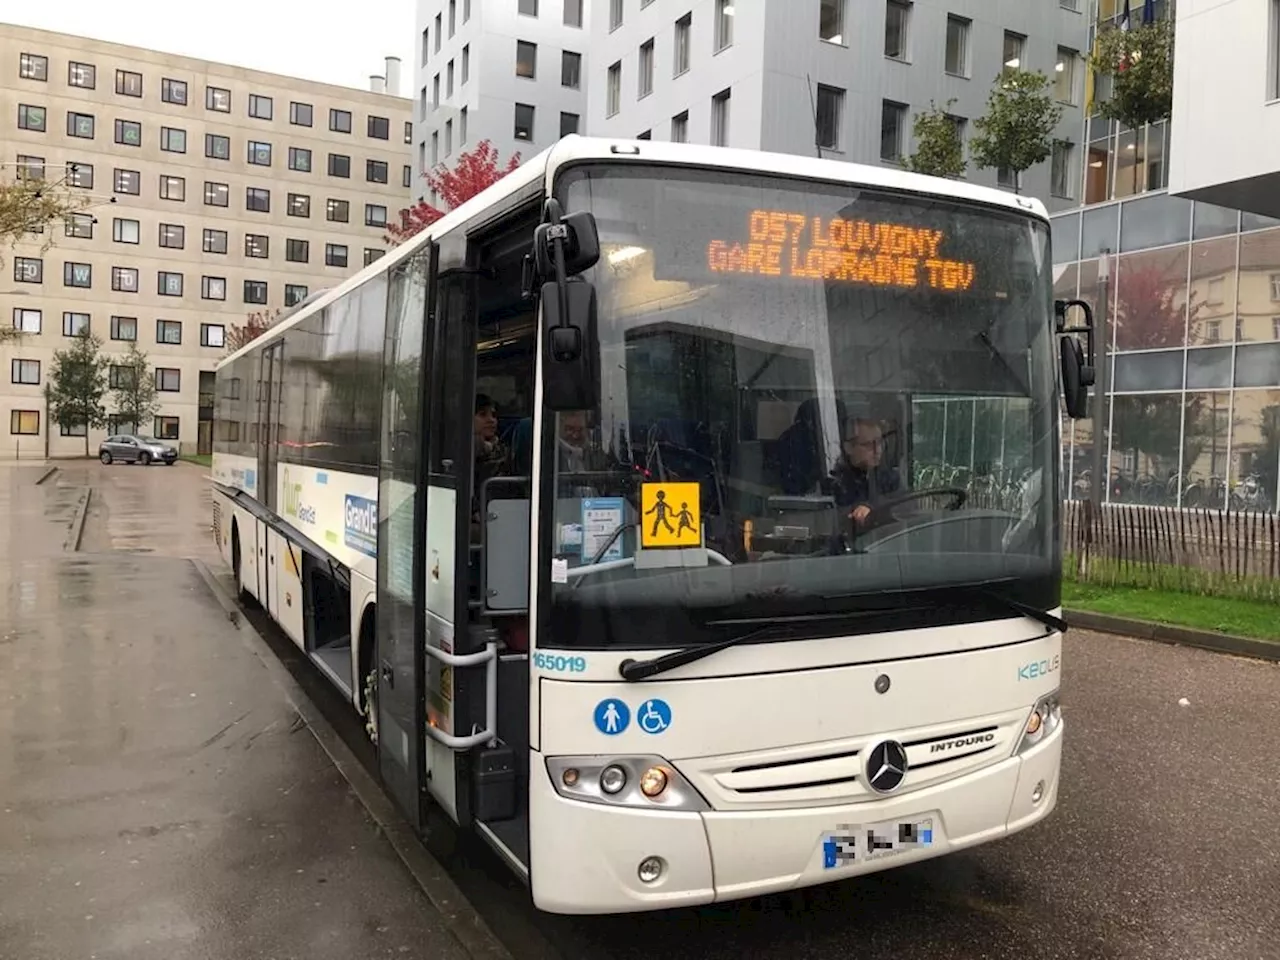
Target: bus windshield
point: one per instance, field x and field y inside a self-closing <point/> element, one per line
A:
<point x="819" y="404"/>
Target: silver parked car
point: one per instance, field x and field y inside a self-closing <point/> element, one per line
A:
<point x="134" y="448"/>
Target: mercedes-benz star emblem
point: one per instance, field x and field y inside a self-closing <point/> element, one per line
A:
<point x="886" y="766"/>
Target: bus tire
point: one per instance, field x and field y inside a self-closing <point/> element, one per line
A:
<point x="369" y="672"/>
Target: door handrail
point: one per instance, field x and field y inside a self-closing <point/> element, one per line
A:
<point x="489" y="658"/>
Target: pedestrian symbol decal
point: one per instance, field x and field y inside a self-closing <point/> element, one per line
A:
<point x="612" y="717"/>
<point x="654" y="716"/>
<point x="671" y="515"/>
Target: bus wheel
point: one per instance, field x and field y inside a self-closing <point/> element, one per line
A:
<point x="369" y="656"/>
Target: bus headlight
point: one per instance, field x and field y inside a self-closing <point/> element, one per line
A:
<point x="645" y="782"/>
<point x="1045" y="717"/>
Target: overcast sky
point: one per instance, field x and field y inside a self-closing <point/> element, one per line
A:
<point x="326" y="40"/>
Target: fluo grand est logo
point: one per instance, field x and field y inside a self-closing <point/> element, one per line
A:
<point x="292" y="497"/>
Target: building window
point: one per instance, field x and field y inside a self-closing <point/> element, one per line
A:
<point x="255" y="291"/>
<point x="80" y="226"/>
<point x="896" y="14"/>
<point x="720" y="119"/>
<point x="31" y="118"/>
<point x="30" y="168"/>
<point x="169" y="331"/>
<point x="28" y="270"/>
<point x="173" y="188"/>
<point x="124" y="329"/>
<point x="217" y="147"/>
<point x="299" y="205"/>
<point x="337" y="211"/>
<point x="82" y="75"/>
<point x="376" y="171"/>
<point x="300" y="159"/>
<point x="173" y="236"/>
<point x="340" y="121"/>
<point x="297" y="251"/>
<point x="957" y="53"/>
<point x="26" y="372"/>
<point x="680" y="127"/>
<point x="435" y="92"/>
<point x="615" y="14"/>
<point x="216" y="194"/>
<point x="435" y="147"/>
<point x="453" y="17"/>
<point x="261" y="108"/>
<point x="570" y="69"/>
<point x="77" y="275"/>
<point x="375" y="215"/>
<point x="213" y="335"/>
<point x="213" y="288"/>
<point x="218" y="99"/>
<point x="1006" y="178"/>
<point x="168" y="283"/>
<point x="645" y="135"/>
<point x="892" y="126"/>
<point x="124" y="279"/>
<point x="119" y="377"/>
<point x="166" y="428"/>
<point x="257" y="199"/>
<point x="24" y="423"/>
<point x="645" y="86"/>
<point x="613" y="92"/>
<point x="466" y="63"/>
<point x="830" y="107"/>
<point x="724" y="24"/>
<point x="128" y="182"/>
<point x="1014" y="50"/>
<point x="408" y="124"/>
<point x="335" y="255"/>
<point x="573" y="13"/>
<point x="300" y="114"/>
<point x="173" y="140"/>
<point x="1064" y="79"/>
<point x="128" y="83"/>
<point x="448" y="137"/>
<point x="173" y="91"/>
<point x="339" y="165"/>
<point x="527" y="7"/>
<point x="75" y="324"/>
<point x="439" y="31"/>
<point x="371" y="254"/>
<point x="294" y="294"/>
<point x="426" y="46"/>
<point x="72" y="429"/>
<point x="33" y="66"/>
<point x="215" y="241"/>
<point x="1060" y="177"/>
<point x="407" y="178"/>
<point x="680" y="53"/>
<point x="257" y="246"/>
<point x="80" y="125"/>
<point x="259" y="153"/>
<point x="526" y="59"/>
<point x="378" y="128"/>
<point x="524" y="122"/>
<point x="168" y="379"/>
<point x="80" y="175"/>
<point x="125" y="231"/>
<point x="27" y="321"/>
<point x="568" y="123"/>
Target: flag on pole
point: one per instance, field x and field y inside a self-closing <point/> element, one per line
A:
<point x="1124" y="16"/>
<point x="1149" y="11"/>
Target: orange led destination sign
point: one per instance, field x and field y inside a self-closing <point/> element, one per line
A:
<point x="783" y="244"/>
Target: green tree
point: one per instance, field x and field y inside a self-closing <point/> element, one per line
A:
<point x="939" y="149"/>
<point x="1139" y="62"/>
<point x="1017" y="131"/>
<point x="135" y="394"/>
<point x="77" y="383"/>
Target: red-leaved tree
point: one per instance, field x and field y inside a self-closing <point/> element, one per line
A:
<point x="255" y="325"/>
<point x="474" y="171"/>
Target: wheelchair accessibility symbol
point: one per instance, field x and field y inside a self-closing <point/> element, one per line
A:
<point x="654" y="716"/>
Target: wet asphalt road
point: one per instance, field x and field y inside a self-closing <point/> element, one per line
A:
<point x="1161" y="845"/>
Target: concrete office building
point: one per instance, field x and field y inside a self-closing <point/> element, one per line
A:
<point x="1178" y="247"/>
<point x="512" y="72"/>
<point x="837" y="78"/>
<point x="215" y="191"/>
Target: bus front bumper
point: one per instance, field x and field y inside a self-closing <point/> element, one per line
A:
<point x="585" y="857"/>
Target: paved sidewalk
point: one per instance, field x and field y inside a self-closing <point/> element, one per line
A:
<point x="160" y="797"/>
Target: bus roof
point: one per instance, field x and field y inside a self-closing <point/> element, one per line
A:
<point x="576" y="148"/>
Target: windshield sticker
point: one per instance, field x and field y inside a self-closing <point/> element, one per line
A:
<point x="671" y="515"/>
<point x="612" y="717"/>
<point x="654" y="717"/>
<point x="559" y="570"/>
<point x="602" y="520"/>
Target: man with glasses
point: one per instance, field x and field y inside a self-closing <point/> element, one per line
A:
<point x="860" y="479"/>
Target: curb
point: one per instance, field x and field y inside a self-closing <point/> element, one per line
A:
<point x="76" y="531"/>
<point x="46" y="475"/>
<point x="1182" y="636"/>
<point x="460" y="918"/>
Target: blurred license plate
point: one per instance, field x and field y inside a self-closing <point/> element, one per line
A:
<point x="851" y="843"/>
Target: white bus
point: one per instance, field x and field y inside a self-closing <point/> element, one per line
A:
<point x="693" y="630"/>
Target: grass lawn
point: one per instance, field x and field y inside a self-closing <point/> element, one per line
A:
<point x="204" y="459"/>
<point x="1243" y="618"/>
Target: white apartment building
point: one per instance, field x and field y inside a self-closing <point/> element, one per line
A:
<point x="512" y="72"/>
<point x="840" y="79"/>
<point x="1225" y="129"/>
<point x="214" y="190"/>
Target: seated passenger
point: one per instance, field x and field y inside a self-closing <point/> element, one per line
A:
<point x="490" y="455"/>
<point x="860" y="479"/>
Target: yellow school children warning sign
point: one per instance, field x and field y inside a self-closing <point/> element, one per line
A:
<point x="670" y="515"/>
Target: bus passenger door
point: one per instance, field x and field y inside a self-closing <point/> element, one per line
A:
<point x="269" y="422"/>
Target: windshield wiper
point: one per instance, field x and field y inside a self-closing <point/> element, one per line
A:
<point x="981" y="589"/>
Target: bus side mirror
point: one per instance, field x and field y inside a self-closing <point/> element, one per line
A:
<point x="581" y="244"/>
<point x="571" y="360"/>
<point x="1077" y="361"/>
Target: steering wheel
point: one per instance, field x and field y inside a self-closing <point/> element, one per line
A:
<point x="883" y="513"/>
